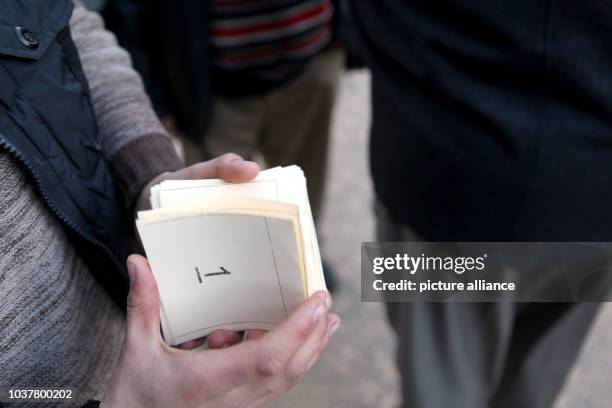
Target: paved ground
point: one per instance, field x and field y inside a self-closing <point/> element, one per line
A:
<point x="357" y="369"/>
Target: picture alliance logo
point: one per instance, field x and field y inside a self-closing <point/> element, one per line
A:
<point x="413" y="264"/>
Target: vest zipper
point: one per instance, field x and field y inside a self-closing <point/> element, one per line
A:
<point x="18" y="156"/>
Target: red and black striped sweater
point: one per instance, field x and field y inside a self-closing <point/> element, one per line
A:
<point x="266" y="40"/>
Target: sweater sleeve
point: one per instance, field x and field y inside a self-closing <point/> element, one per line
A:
<point x="134" y="142"/>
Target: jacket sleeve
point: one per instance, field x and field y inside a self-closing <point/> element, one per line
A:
<point x="135" y="144"/>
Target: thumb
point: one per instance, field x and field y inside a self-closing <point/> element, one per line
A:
<point x="229" y="167"/>
<point x="143" y="300"/>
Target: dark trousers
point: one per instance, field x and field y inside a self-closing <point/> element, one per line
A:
<point x="472" y="355"/>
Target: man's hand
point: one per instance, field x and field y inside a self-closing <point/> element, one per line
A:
<point x="229" y="167"/>
<point x="151" y="374"/>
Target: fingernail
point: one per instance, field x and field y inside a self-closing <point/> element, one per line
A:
<point x="131" y="272"/>
<point x="333" y="328"/>
<point x="328" y="300"/>
<point x="318" y="313"/>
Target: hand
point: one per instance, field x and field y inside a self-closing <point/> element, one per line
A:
<point x="229" y="167"/>
<point x="151" y="374"/>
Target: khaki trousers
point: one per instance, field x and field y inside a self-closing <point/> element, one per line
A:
<point x="290" y="125"/>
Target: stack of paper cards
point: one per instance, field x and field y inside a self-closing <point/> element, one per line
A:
<point x="231" y="256"/>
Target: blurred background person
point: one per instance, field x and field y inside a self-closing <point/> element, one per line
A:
<point x="491" y="122"/>
<point x="257" y="78"/>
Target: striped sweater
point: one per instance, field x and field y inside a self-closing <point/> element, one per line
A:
<point x="266" y="40"/>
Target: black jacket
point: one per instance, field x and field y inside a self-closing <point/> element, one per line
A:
<point x="169" y="45"/>
<point x="492" y="121"/>
<point x="47" y="125"/>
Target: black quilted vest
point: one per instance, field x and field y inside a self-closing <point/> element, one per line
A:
<point x="47" y="125"/>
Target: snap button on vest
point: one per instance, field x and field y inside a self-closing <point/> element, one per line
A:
<point x="26" y="37"/>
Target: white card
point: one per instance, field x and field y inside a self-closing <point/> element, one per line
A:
<point x="227" y="271"/>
